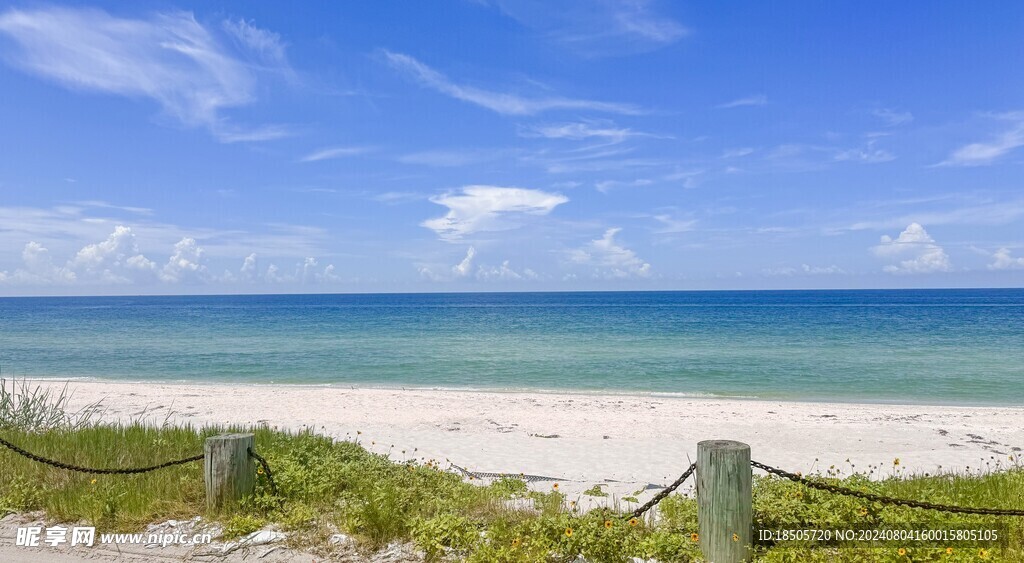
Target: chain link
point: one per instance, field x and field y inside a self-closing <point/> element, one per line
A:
<point x="822" y="486"/>
<point x="80" y="469"/>
<point x="266" y="470"/>
<point x="664" y="492"/>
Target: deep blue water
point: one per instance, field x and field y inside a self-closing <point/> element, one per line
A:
<point x="932" y="346"/>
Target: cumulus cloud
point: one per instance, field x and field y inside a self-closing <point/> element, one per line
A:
<point x="610" y="259"/>
<point x="250" y="268"/>
<point x="489" y="208"/>
<point x="38" y="268"/>
<point x="504" y="273"/>
<point x="186" y="263"/>
<point x="169" y="58"/>
<point x="1003" y="260"/>
<point x="114" y="260"/>
<point x="500" y="102"/>
<point x="916" y="251"/>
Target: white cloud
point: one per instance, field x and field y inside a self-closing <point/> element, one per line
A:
<point x="984" y="153"/>
<point x="38" y="268"/>
<point x="489" y="208"/>
<point x="822" y="270"/>
<point x="922" y="254"/>
<point x="500" y="102"/>
<point x="504" y="273"/>
<point x="169" y="58"/>
<point x="611" y="259"/>
<point x="186" y="263"/>
<point x="114" y="260"/>
<point x="756" y="100"/>
<point x="250" y="268"/>
<point x="737" y="153"/>
<point x="463" y="268"/>
<point x="1002" y="260"/>
<point x="329" y="153"/>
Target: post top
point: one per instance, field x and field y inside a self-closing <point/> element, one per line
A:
<point x="722" y="445"/>
<point x="235" y="436"/>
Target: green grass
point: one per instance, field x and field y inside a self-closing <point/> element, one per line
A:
<point x="327" y="485"/>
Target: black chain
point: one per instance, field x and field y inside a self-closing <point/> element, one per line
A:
<point x="822" y="486"/>
<point x="69" y="467"/>
<point x="266" y="470"/>
<point x="664" y="492"/>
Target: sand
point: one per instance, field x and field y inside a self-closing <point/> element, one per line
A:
<point x="625" y="442"/>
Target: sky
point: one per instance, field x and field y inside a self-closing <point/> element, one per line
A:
<point x="509" y="145"/>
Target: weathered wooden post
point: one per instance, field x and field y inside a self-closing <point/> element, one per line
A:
<point x="228" y="471"/>
<point x="724" y="501"/>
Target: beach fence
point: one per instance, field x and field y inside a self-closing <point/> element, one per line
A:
<point x="229" y="468"/>
<point x="724" y="475"/>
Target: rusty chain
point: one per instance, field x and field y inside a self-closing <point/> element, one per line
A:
<point x="836" y="489"/>
<point x="80" y="469"/>
<point x="664" y="492"/>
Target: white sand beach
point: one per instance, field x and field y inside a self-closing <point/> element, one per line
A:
<point x="624" y="441"/>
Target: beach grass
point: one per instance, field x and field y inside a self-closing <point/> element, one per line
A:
<point x="327" y="486"/>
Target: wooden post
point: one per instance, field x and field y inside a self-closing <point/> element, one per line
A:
<point x="724" y="501"/>
<point x="228" y="471"/>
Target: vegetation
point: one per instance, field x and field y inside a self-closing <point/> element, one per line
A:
<point x="327" y="485"/>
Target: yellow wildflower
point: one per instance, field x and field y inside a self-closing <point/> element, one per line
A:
<point x="735" y="537"/>
<point x="568" y="532"/>
<point x="608" y="524"/>
<point x="634" y="522"/>
<point x="694" y="537"/>
<point x="863" y="511"/>
<point x="983" y="553"/>
<point x="901" y="551"/>
<point x="896" y="461"/>
<point x="93" y="482"/>
<point x="516" y="542"/>
<point x="949" y="551"/>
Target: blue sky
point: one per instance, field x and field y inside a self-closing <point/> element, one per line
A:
<point x="509" y="145"/>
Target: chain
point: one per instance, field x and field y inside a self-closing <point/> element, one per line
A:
<point x="69" y="467"/>
<point x="266" y="470"/>
<point x="822" y="486"/>
<point x="664" y="492"/>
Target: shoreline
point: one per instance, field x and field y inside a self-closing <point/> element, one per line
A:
<point x="624" y="443"/>
<point x="514" y="390"/>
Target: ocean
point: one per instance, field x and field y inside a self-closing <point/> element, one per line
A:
<point x="896" y="346"/>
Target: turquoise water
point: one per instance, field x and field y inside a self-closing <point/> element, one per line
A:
<point x="931" y="346"/>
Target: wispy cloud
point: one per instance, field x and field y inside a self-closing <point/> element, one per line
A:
<point x="583" y="130"/>
<point x="170" y="58"/>
<point x="489" y="208"/>
<point x="598" y="28"/>
<point x="756" y="100"/>
<point x="330" y="153"/>
<point x="987" y="152"/>
<point x="500" y="102"/>
<point x="893" y="118"/>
